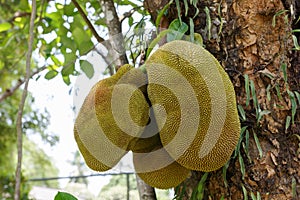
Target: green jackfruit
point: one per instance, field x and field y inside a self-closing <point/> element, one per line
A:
<point x="158" y="169"/>
<point x="101" y="139"/>
<point x="198" y="116"/>
<point x="193" y="123"/>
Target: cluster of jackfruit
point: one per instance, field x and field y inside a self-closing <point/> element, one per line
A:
<point x="179" y="115"/>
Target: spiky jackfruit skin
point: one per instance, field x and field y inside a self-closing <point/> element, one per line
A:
<point x="158" y="169"/>
<point x="99" y="137"/>
<point x="215" y="115"/>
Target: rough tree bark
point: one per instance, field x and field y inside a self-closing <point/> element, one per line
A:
<point x="245" y="40"/>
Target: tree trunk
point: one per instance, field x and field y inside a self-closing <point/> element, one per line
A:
<point x="252" y="39"/>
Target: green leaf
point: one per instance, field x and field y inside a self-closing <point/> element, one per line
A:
<point x="201" y="186"/>
<point x="283" y="68"/>
<point x="156" y="40"/>
<point x="68" y="69"/>
<point x="56" y="19"/>
<point x="208" y="22"/>
<point x="178" y="10"/>
<point x="294" y="188"/>
<point x="51" y="74"/>
<point x="87" y="68"/>
<point x="244" y="192"/>
<point x="287" y="122"/>
<point x="186" y="7"/>
<point x="294" y="105"/>
<point x="247" y="88"/>
<point x="179" y="29"/>
<point x="238" y="146"/>
<point x="258" y="145"/>
<point x="198" y="39"/>
<point x="246" y="148"/>
<point x="296" y="44"/>
<point x="242" y="165"/>
<point x="261" y="114"/>
<point x="100" y="22"/>
<point x="161" y="13"/>
<point x="298" y="96"/>
<point x="242" y="112"/>
<point x="254" y="97"/>
<point x="80" y="35"/>
<point x="130" y="21"/>
<point x="224" y="173"/>
<point x="277" y="88"/>
<point x="258" y="196"/>
<point x="68" y="43"/>
<point x="5" y="26"/>
<point x="59" y="6"/>
<point x="67" y="80"/>
<point x="85" y="47"/>
<point x="192" y="34"/>
<point x="253" y="197"/>
<point x="55" y="60"/>
<point x="276" y="15"/>
<point x="69" y="9"/>
<point x="70" y="58"/>
<point x="64" y="196"/>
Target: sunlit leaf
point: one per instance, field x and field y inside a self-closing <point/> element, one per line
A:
<point x="5" y="26"/>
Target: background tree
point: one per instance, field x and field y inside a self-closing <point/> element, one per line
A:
<point x="255" y="41"/>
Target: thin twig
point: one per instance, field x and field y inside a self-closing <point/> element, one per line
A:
<point x="19" y="14"/>
<point x="10" y="91"/>
<point x="129" y="13"/>
<point x="87" y="21"/>
<point x="22" y="103"/>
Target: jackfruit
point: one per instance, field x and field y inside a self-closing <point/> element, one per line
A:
<point x="202" y="127"/>
<point x="158" y="169"/>
<point x="178" y="117"/>
<point x="103" y="130"/>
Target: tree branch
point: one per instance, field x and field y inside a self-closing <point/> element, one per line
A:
<point x="128" y="14"/>
<point x="19" y="14"/>
<point x="87" y="21"/>
<point x="10" y="91"/>
<point x="146" y="192"/>
<point x="22" y="104"/>
<point x="115" y="33"/>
